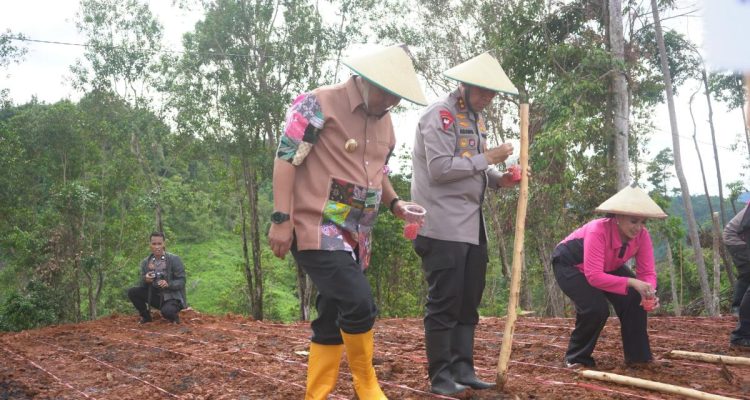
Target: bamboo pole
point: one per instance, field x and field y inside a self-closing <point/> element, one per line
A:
<point x="515" y="277"/>
<point x="707" y="357"/>
<point x="651" y="385"/>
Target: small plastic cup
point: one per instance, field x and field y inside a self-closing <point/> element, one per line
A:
<point x="414" y="217"/>
<point x="648" y="303"/>
<point x="515" y="171"/>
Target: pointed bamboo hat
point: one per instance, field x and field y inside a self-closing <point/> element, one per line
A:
<point x="483" y="71"/>
<point x="632" y="200"/>
<point x="390" y="69"/>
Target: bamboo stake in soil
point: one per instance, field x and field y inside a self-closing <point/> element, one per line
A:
<point x="707" y="357"/>
<point x="652" y="385"/>
<point x="515" y="277"/>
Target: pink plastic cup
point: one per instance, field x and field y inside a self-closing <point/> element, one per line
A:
<point x="414" y="217"/>
<point x="515" y="171"/>
<point x="649" y="303"/>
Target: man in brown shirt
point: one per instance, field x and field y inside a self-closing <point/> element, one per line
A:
<point x="330" y="176"/>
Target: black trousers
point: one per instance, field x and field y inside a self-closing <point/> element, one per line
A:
<point x="592" y="312"/>
<point x="139" y="297"/>
<point x="455" y="273"/>
<point x="344" y="296"/>
<point x="741" y="258"/>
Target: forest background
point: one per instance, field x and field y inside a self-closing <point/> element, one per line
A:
<point x="183" y="142"/>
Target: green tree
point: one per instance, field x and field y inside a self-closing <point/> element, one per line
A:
<point x="243" y="63"/>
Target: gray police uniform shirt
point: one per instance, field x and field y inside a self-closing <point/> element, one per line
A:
<point x="731" y="231"/>
<point x="449" y="171"/>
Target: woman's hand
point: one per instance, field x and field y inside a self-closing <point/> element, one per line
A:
<point x="650" y="304"/>
<point x="643" y="288"/>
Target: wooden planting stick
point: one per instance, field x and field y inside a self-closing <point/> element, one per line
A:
<point x="515" y="276"/>
<point x="707" y="357"/>
<point x="651" y="385"/>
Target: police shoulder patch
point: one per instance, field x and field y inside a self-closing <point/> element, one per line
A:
<point x="446" y="119"/>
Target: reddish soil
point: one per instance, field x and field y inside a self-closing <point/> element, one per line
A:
<point x="231" y="357"/>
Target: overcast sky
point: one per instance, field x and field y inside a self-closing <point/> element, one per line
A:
<point x="44" y="73"/>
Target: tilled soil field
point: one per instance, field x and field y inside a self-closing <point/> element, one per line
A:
<point x="231" y="357"/>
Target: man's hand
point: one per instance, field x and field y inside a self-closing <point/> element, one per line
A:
<point x="399" y="209"/>
<point x="162" y="284"/>
<point x="507" y="180"/>
<point x="280" y="238"/>
<point x="149" y="277"/>
<point x="498" y="154"/>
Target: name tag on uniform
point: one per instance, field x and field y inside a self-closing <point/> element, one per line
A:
<point x="466" y="131"/>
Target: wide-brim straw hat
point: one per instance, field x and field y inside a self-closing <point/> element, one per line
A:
<point x="632" y="200"/>
<point x="483" y="71"/>
<point x="390" y="69"/>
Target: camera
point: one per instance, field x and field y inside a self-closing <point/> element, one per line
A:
<point x="158" y="276"/>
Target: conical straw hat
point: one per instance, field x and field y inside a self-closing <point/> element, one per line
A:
<point x="632" y="200"/>
<point x="483" y="71"/>
<point x="390" y="69"/>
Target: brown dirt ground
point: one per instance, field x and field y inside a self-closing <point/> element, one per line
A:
<point x="232" y="357"/>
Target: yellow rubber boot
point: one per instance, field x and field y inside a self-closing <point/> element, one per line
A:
<point x="359" y="349"/>
<point x="322" y="370"/>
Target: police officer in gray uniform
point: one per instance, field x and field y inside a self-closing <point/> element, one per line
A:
<point x="451" y="170"/>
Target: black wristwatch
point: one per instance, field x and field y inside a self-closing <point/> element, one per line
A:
<point x="279" y="217"/>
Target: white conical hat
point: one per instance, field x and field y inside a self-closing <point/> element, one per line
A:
<point x="390" y="69"/>
<point x="483" y="71"/>
<point x="632" y="200"/>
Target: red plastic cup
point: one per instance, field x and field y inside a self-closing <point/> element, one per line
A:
<point x="411" y="231"/>
<point x="515" y="171"/>
<point x="648" y="304"/>
<point x="414" y="217"/>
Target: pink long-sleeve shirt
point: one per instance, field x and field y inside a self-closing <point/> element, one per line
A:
<point x="600" y="254"/>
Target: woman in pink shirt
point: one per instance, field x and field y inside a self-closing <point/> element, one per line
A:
<point x="589" y="266"/>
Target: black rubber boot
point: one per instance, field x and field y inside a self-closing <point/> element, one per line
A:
<point x="462" y="363"/>
<point x="438" y="348"/>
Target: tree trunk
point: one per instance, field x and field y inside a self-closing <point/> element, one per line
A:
<point x="687" y="202"/>
<point x="717" y="263"/>
<point x="620" y="96"/>
<point x="252" y="195"/>
<point x="305" y="292"/>
<point x="527" y="300"/>
<point x="727" y="263"/>
<point x="704" y="76"/>
<point x="246" y="257"/>
<point x="673" y="282"/>
<point x="500" y="237"/>
<point x="555" y="301"/>
<point x="700" y="157"/>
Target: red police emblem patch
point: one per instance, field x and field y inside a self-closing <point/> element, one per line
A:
<point x="446" y="118"/>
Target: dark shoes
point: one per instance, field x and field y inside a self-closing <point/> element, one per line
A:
<point x="476" y="383"/>
<point x="574" y="366"/>
<point x="740" y="344"/>
<point x="145" y="319"/>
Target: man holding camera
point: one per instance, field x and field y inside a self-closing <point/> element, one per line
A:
<point x="162" y="283"/>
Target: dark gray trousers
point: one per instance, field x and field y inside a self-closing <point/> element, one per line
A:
<point x="592" y="311"/>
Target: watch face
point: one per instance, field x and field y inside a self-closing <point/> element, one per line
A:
<point x="279" y="217"/>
